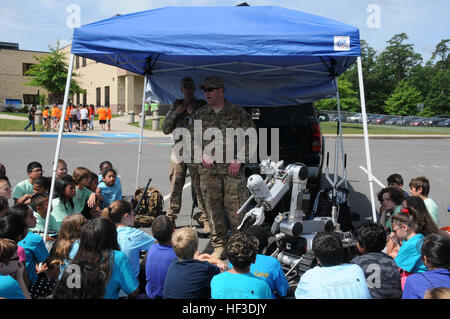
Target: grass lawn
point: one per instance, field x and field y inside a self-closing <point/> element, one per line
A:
<point x="149" y="123"/>
<point x="353" y="128"/>
<point x="16" y="125"/>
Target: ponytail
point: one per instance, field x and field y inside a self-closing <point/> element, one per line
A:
<point x="420" y="222"/>
<point x="116" y="211"/>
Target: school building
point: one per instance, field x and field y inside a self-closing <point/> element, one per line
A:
<point x="104" y="84"/>
<point x="13" y="65"/>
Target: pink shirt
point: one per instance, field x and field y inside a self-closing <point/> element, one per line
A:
<point x="21" y="253"/>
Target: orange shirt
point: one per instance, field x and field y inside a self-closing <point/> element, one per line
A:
<point x="55" y="111"/>
<point x="45" y="113"/>
<point x="108" y="113"/>
<point x="101" y="113"/>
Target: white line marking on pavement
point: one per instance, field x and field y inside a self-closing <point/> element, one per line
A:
<point x="185" y="186"/>
<point x="374" y="178"/>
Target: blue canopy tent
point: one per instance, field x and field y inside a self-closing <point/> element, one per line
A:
<point x="266" y="55"/>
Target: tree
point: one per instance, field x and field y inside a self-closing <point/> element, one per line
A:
<point x="437" y="101"/>
<point x="50" y="73"/>
<point x="348" y="97"/>
<point x="403" y="101"/>
<point x="442" y="51"/>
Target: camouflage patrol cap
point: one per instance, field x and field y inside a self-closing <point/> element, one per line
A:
<point x="187" y="81"/>
<point x="212" y="82"/>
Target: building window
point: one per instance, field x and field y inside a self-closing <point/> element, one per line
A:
<point x="25" y="67"/>
<point x="98" y="96"/>
<point x="78" y="98"/>
<point x="106" y="95"/>
<point x="77" y="62"/>
<point x="30" y="99"/>
<point x="85" y="99"/>
<point x="83" y="62"/>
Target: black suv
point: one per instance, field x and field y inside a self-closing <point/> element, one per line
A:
<point x="300" y="137"/>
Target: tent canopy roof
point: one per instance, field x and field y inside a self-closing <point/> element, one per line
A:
<point x="266" y="55"/>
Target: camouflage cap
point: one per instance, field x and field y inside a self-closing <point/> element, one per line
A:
<point x="212" y="82"/>
<point x="187" y="81"/>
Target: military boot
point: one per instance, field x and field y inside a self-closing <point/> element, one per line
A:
<point x="219" y="252"/>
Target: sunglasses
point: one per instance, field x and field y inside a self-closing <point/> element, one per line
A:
<point x="209" y="89"/>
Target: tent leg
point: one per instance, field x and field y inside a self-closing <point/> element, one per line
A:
<point x="141" y="134"/>
<point x="366" y="138"/>
<point x="58" y="145"/>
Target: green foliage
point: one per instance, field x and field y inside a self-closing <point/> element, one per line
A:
<point x="51" y="73"/>
<point x="403" y="101"/>
<point x="348" y="96"/>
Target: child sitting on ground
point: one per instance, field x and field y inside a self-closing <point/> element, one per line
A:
<point x="41" y="185"/>
<point x="420" y="186"/>
<point x="188" y="278"/>
<point x="39" y="204"/>
<point x="63" y="205"/>
<point x="159" y="257"/>
<point x="331" y="278"/>
<point x="108" y="188"/>
<point x="239" y="283"/>
<point x="380" y="269"/>
<point x="12" y="284"/>
<point x="61" y="169"/>
<point x="84" y="196"/>
<point x="396" y="181"/>
<point x="131" y="240"/>
<point x="24" y="189"/>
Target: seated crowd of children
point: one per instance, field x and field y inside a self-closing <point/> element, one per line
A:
<point x="90" y="233"/>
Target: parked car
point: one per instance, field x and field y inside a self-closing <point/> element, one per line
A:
<point x="370" y="119"/>
<point x="392" y="121"/>
<point x="334" y="118"/>
<point x="417" y="122"/>
<point x="381" y="119"/>
<point x="445" y="123"/>
<point x="323" y="117"/>
<point x="357" y="118"/>
<point x="406" y="120"/>
<point x="433" y="121"/>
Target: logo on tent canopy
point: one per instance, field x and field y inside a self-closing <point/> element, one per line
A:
<point x="341" y="43"/>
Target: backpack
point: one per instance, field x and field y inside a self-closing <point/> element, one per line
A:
<point x="149" y="208"/>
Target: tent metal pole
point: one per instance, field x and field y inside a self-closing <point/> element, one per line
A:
<point x="58" y="144"/>
<point x="338" y="140"/>
<point x="141" y="133"/>
<point x="366" y="138"/>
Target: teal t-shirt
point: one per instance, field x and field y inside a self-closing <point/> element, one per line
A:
<point x="35" y="252"/>
<point x="81" y="197"/>
<point x="396" y="211"/>
<point x="432" y="209"/>
<point x="409" y="255"/>
<point x="40" y="224"/>
<point x="9" y="288"/>
<point x="239" y="286"/>
<point x="22" y="188"/>
<point x="59" y="211"/>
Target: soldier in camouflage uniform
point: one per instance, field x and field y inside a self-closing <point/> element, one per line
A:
<point x="222" y="183"/>
<point x="178" y="116"/>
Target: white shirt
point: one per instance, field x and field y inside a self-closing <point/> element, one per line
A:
<point x="84" y="114"/>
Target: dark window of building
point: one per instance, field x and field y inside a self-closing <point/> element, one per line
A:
<point x="29" y="99"/>
<point x="77" y="62"/>
<point x="98" y="96"/>
<point x="78" y="98"/>
<point x="83" y="62"/>
<point x="106" y="95"/>
<point x="25" y="67"/>
<point x="85" y="98"/>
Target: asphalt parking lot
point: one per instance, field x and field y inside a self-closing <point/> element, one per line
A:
<point x="409" y="157"/>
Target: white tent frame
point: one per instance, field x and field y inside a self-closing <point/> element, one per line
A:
<point x="209" y="68"/>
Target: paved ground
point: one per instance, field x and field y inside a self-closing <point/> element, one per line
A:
<point x="409" y="157"/>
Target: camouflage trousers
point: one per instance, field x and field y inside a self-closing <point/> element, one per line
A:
<point x="223" y="195"/>
<point x="195" y="184"/>
<point x="177" y="177"/>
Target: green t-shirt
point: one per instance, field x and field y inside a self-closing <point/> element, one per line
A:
<point x="81" y="197"/>
<point x="396" y="211"/>
<point x="40" y="223"/>
<point x="22" y="188"/>
<point x="59" y="212"/>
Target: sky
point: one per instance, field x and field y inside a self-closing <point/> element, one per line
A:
<point x="36" y="24"/>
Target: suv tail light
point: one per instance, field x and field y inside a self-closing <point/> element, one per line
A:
<point x="316" y="138"/>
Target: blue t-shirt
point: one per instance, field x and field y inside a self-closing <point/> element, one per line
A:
<point x="158" y="261"/>
<point x="35" y="252"/>
<point x="131" y="242"/>
<point x="109" y="193"/>
<point x="189" y="279"/>
<point x="345" y="281"/>
<point x="409" y="255"/>
<point x="269" y="269"/>
<point x="417" y="285"/>
<point x="239" y="286"/>
<point x="122" y="277"/>
<point x="9" y="288"/>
